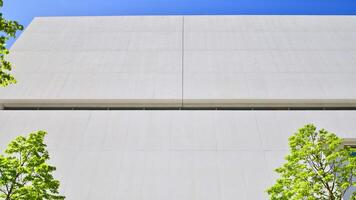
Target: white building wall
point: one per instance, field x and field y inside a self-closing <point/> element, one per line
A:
<point x="229" y="59"/>
<point x="175" y="61"/>
<point x="127" y="59"/>
<point x="189" y="61"/>
<point x="160" y="155"/>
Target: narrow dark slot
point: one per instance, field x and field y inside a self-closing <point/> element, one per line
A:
<point x="183" y="108"/>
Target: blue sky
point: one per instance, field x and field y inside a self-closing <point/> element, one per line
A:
<point x="24" y="10"/>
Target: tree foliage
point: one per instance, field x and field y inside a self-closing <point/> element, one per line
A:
<point x="8" y="29"/>
<point x="24" y="173"/>
<point x="317" y="168"/>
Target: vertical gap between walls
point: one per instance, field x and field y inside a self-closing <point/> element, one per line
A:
<point x="182" y="102"/>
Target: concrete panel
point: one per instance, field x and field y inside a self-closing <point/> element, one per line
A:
<point x="124" y="60"/>
<point x="251" y="58"/>
<point x="107" y="86"/>
<point x="274" y="160"/>
<point x="35" y="85"/>
<point x="270" y="61"/>
<point x="129" y="62"/>
<point x="269" y="40"/>
<point x="99" y="41"/>
<point x="62" y="25"/>
<point x="139" y="61"/>
<point x="227" y="60"/>
<point x="168" y="154"/>
<point x="209" y="86"/>
<point x="270" y="23"/>
<point x="231" y="172"/>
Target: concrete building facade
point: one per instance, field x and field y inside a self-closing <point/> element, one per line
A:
<point x="178" y="107"/>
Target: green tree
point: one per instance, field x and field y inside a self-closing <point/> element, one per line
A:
<point x="24" y="173"/>
<point x="8" y="29"/>
<point x="318" y="167"/>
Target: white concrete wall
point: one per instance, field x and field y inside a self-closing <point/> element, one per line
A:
<point x="176" y="155"/>
<point x="133" y="58"/>
<point x="171" y="61"/>
<point x="269" y="57"/>
<point x="195" y="60"/>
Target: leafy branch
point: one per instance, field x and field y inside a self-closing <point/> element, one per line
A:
<point x="24" y="171"/>
<point x="318" y="167"/>
<point x="8" y="29"/>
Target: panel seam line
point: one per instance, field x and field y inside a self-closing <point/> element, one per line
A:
<point x="182" y="79"/>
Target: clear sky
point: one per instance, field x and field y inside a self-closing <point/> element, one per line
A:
<point x="24" y="10"/>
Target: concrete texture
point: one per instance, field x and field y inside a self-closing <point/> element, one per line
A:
<point x="121" y="58"/>
<point x="268" y="57"/>
<point x="160" y="155"/>
<point x="176" y="61"/>
<point x="186" y="61"/>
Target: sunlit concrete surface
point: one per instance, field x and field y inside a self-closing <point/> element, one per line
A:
<point x="176" y="61"/>
<point x="121" y="58"/>
<point x="160" y="155"/>
<point x="187" y="61"/>
<point x="269" y="57"/>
